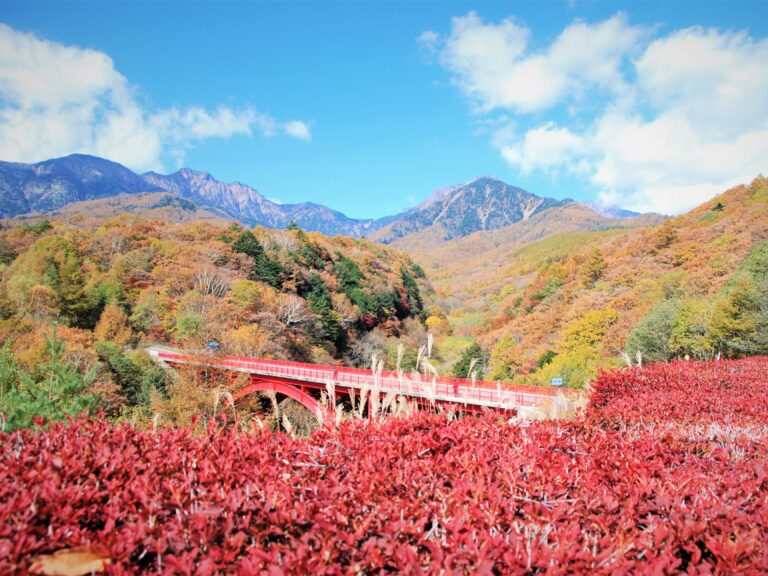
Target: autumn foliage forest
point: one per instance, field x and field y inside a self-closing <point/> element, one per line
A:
<point x="79" y="301"/>
<point x="695" y="287"/>
<point x="82" y="296"/>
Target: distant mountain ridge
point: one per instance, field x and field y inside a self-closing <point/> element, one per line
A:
<point x="51" y="184"/>
<point x="610" y="211"/>
<point x="241" y="202"/>
<point x="164" y="206"/>
<point x="484" y="203"/>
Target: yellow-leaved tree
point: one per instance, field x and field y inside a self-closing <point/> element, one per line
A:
<point x="504" y="362"/>
<point x="113" y="326"/>
<point x="580" y="350"/>
<point x="247" y="340"/>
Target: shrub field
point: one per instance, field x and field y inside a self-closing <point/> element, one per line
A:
<point x="667" y="472"/>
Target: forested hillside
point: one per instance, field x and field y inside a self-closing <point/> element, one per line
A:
<point x="463" y="264"/>
<point x="694" y="286"/>
<point x="164" y="206"/>
<point x="108" y="287"/>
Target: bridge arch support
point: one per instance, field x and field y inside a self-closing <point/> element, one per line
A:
<point x="293" y="392"/>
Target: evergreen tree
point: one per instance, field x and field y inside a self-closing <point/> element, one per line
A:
<point x="264" y="268"/>
<point x="7" y="255"/>
<point x="546" y="359"/>
<point x="249" y="245"/>
<point x="135" y="373"/>
<point x="312" y="255"/>
<point x="364" y="301"/>
<point x="412" y="290"/>
<point x="39" y="227"/>
<point x="461" y="368"/>
<point x="58" y="390"/>
<point x="9" y="373"/>
<point x="72" y="297"/>
<point x="651" y="336"/>
<point x="268" y="270"/>
<point x="348" y="273"/>
<point x="759" y="339"/>
<point x="320" y="303"/>
<point x="418" y="270"/>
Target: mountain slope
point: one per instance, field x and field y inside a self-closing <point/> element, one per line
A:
<point x="157" y="206"/>
<point x="235" y="200"/>
<point x="568" y="304"/>
<point x="54" y="183"/>
<point x="482" y="204"/>
<point x="276" y="293"/>
<point x="610" y="211"/>
<point x="468" y="267"/>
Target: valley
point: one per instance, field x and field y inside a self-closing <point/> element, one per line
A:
<point x="506" y="270"/>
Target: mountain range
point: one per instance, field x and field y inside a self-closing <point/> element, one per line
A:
<point x="485" y="203"/>
<point x="241" y="202"/>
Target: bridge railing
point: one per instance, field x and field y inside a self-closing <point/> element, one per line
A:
<point x="457" y="390"/>
<point x="364" y="376"/>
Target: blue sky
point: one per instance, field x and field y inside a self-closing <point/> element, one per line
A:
<point x="368" y="107"/>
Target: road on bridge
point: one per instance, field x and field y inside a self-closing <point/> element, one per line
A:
<point x="298" y="380"/>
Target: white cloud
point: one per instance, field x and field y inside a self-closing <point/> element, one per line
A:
<point x="704" y="129"/>
<point x="545" y="148"/>
<point x="297" y="129"/>
<point x="669" y="164"/>
<point x="493" y="66"/>
<point x="656" y="124"/>
<point x="717" y="79"/>
<point x="57" y="99"/>
<point x="429" y="40"/>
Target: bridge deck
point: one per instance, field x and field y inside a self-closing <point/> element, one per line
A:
<point x="442" y="390"/>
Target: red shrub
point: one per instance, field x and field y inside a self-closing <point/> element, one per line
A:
<point x="412" y="496"/>
<point x="726" y="392"/>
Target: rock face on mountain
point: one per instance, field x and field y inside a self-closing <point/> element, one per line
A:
<point x="241" y="202"/>
<point x="482" y="204"/>
<point x="51" y="184"/>
<point x="455" y="212"/>
<point x="235" y="200"/>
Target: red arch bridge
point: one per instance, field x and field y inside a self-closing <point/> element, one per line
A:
<point x="306" y="382"/>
